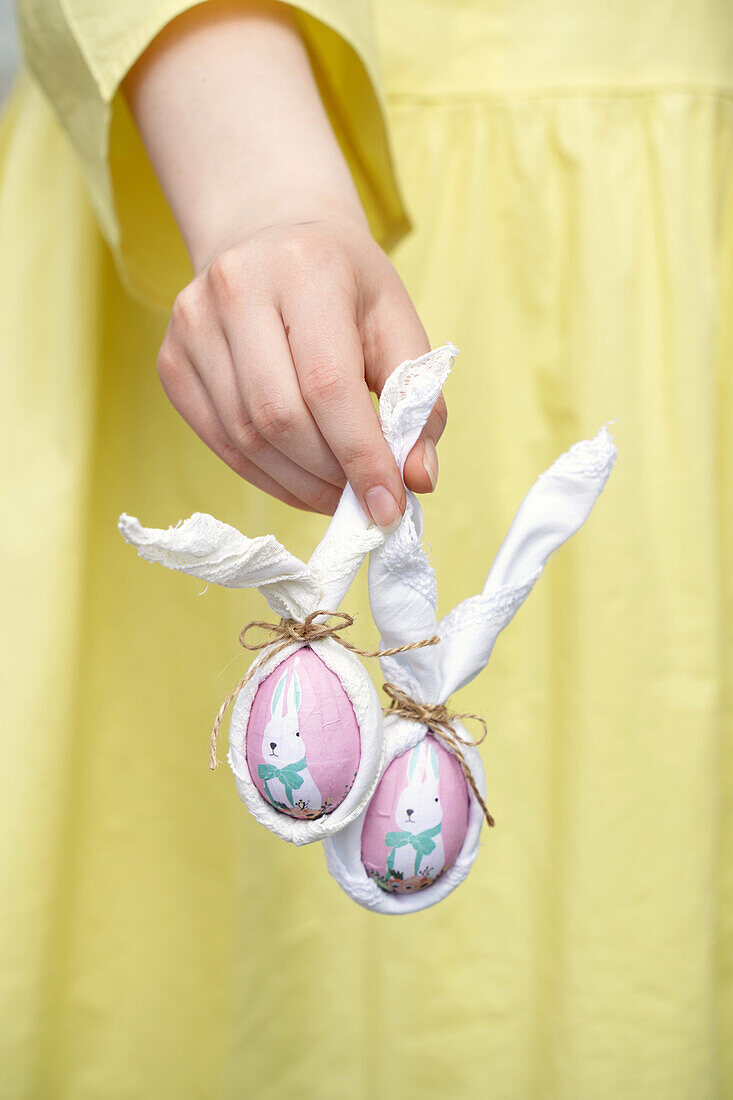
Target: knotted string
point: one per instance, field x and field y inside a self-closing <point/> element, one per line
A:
<point x="283" y="634"/>
<point x="439" y="719"/>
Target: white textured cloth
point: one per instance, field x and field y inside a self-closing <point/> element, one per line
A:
<point x="216" y="552"/>
<point x="403" y="598"/>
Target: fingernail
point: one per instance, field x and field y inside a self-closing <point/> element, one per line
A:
<point x="430" y="462"/>
<point x="382" y="507"/>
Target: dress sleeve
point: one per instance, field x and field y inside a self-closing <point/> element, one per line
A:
<point x="79" y="51"/>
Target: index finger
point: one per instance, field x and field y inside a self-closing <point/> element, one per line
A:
<point x="327" y="352"/>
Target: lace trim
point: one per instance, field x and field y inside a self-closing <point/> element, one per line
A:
<point x="214" y="552"/>
<point x="403" y="555"/>
<point x="592" y="458"/>
<point x="494" y="611"/>
<point x="412" y="390"/>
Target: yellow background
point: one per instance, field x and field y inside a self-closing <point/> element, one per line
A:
<point x="568" y="173"/>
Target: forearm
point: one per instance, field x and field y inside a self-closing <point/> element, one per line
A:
<point x="228" y="108"/>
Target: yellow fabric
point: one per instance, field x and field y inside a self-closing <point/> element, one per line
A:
<point x="568" y="168"/>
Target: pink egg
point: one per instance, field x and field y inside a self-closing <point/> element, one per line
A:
<point x="303" y="746"/>
<point x="417" y="820"/>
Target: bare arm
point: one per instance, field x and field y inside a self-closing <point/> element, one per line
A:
<point x="295" y="313"/>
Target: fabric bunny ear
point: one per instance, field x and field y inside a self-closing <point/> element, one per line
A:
<point x="205" y="547"/>
<point x="402" y="589"/>
<point x="277" y="703"/>
<point x="213" y="551"/>
<point x="556" y="506"/>
<point x="403" y="596"/>
<point x="405" y="404"/>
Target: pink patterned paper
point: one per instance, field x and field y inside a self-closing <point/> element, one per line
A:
<point x="417" y="820"/>
<point x="302" y="745"/>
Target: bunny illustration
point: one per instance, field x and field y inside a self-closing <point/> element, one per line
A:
<point x="403" y="598"/>
<point x="417" y="844"/>
<point x="217" y="553"/>
<point x="288" y="783"/>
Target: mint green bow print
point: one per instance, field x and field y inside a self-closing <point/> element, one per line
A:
<point x="288" y="776"/>
<point x="421" y="842"/>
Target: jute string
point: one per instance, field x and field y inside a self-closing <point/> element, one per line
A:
<point x="439" y="719"/>
<point x="283" y="634"/>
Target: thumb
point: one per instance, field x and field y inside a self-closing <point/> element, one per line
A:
<point x="421" y="467"/>
<point x="399" y="335"/>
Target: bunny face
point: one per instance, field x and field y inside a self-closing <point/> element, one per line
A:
<point x="418" y="806"/>
<point x="303" y="742"/>
<point x="281" y="740"/>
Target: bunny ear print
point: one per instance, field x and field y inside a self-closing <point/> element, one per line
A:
<point x="278" y="696"/>
<point x="213" y="551"/>
<point x="414" y="760"/>
<point x="556" y="506"/>
<point x="433" y="760"/>
<point x="294" y="695"/>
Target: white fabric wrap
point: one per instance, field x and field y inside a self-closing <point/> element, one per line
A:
<point x="215" y="552"/>
<point x="403" y="597"/>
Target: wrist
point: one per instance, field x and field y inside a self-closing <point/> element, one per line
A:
<point x="287" y="213"/>
<point x="232" y="119"/>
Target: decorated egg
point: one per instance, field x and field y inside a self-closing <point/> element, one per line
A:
<point x="302" y="743"/>
<point x="416" y="822"/>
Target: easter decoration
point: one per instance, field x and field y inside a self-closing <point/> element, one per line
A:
<point x="418" y="837"/>
<point x="306" y="740"/>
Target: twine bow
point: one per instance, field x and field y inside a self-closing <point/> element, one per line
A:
<point x="439" y="719"/>
<point x="283" y="634"/>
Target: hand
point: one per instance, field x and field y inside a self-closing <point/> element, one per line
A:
<point x="295" y="313"/>
<point x="270" y="355"/>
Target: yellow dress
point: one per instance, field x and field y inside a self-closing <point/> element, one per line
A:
<point x="568" y="171"/>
